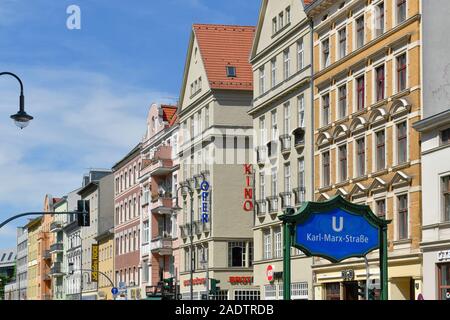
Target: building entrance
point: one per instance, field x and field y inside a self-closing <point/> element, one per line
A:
<point x="351" y="290"/>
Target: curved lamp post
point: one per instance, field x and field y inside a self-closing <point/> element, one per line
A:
<point x="21" y="118"/>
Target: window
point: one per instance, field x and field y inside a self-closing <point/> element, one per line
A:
<point x="444" y="281"/>
<point x="274" y="25"/>
<point x="380" y="152"/>
<point x="192" y="127"/>
<point x="299" y="291"/>
<point x="267" y="240"/>
<point x="207" y="117"/>
<point x="287" y="118"/>
<point x="274" y="181"/>
<point x="379" y="23"/>
<point x="401" y="72"/>
<point x="273" y="79"/>
<point x="287" y="63"/>
<point x="261" y="80"/>
<point x="380" y="82"/>
<point x="326" y="169"/>
<point x="381" y="208"/>
<point x="401" y="11"/>
<point x="445" y="136"/>
<point x="247" y="295"/>
<point x="300" y="55"/>
<point x="301" y="111"/>
<point x="278" y="243"/>
<point x="262" y="186"/>
<point x="402" y="140"/>
<point x="360" y="93"/>
<point x="231" y="72"/>
<point x="274" y="126"/>
<point x="262" y="130"/>
<point x="270" y="292"/>
<point x="403" y="217"/>
<point x="446" y="197"/>
<point x="326" y="109"/>
<point x="325" y="53"/>
<point x="281" y="20"/>
<point x="288" y="15"/>
<point x="360" y="32"/>
<point x="342" y="42"/>
<point x="361" y="157"/>
<point x="343" y="163"/>
<point x="342" y="91"/>
<point x="236" y="254"/>
<point x="287" y="177"/>
<point x="146" y="233"/>
<point x="187" y="260"/>
<point x="301" y="180"/>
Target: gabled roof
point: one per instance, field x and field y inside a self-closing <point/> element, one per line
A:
<point x="226" y="45"/>
<point x="168" y="112"/>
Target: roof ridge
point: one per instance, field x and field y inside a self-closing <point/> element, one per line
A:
<point x="223" y="25"/>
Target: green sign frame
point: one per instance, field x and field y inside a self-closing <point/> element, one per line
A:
<point x="291" y="218"/>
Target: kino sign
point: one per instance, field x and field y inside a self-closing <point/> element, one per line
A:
<point x="335" y="230"/>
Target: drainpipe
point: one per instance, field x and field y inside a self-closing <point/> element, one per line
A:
<point x="311" y="27"/>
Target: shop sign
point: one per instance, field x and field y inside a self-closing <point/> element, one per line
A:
<point x="241" y="280"/>
<point x="444" y="255"/>
<point x="248" y="191"/>
<point x="94" y="263"/>
<point x="269" y="273"/>
<point x="195" y="282"/>
<point x="205" y="201"/>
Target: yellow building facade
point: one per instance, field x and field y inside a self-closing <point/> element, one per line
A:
<point x="367" y="95"/>
<point x="105" y="265"/>
<point x="33" y="285"/>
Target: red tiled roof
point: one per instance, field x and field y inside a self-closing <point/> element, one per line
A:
<point x="174" y="120"/>
<point x="168" y="112"/>
<point x="56" y="200"/>
<point x="221" y="46"/>
<point x="308" y="2"/>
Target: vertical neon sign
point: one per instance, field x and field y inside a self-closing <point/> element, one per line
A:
<point x="205" y="201"/>
<point x="248" y="191"/>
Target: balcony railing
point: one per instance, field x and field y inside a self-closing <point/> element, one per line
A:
<point x="161" y="167"/>
<point x="57" y="247"/>
<point x="272" y="148"/>
<point x="162" y="204"/>
<point x="198" y="227"/>
<point x="299" y="138"/>
<point x="286" y="200"/>
<point x="300" y="195"/>
<point x="285" y="143"/>
<point x="56" y="269"/>
<point x="273" y="204"/>
<point x="261" y="154"/>
<point x="47" y="255"/>
<point x="261" y="208"/>
<point x="56" y="226"/>
<point x="162" y="246"/>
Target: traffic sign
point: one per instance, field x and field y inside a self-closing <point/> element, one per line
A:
<point x="269" y="273"/>
<point x="115" y="291"/>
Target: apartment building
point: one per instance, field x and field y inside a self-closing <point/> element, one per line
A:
<point x="33" y="271"/>
<point x="57" y="270"/>
<point x="216" y="232"/>
<point x="158" y="179"/>
<point x="435" y="147"/>
<point x="127" y="233"/>
<point x="22" y="263"/>
<point x="367" y="95"/>
<point x="282" y="119"/>
<point x="98" y="189"/>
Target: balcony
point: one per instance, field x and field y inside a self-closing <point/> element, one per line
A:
<point x="206" y="227"/>
<point x="261" y="208"/>
<point x="56" y="270"/>
<point x="261" y="153"/>
<point x="286" y="200"/>
<point x="198" y="228"/>
<point x="272" y="148"/>
<point x="145" y="168"/>
<point x="47" y="255"/>
<point x="273" y="204"/>
<point x="285" y="144"/>
<point x="57" y="247"/>
<point x="161" y="246"/>
<point x="300" y="195"/>
<point x="56" y="226"/>
<point x="162" y="204"/>
<point x="161" y="167"/>
<point x="299" y="138"/>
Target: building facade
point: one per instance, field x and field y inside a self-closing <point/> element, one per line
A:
<point x="22" y="263"/>
<point x="33" y="270"/>
<point x="158" y="178"/>
<point x="57" y="270"/>
<point x="105" y="241"/>
<point x="127" y="233"/>
<point x="98" y="189"/>
<point x="282" y="119"/>
<point x="7" y="273"/>
<point x="367" y="95"/>
<point x="216" y="232"/>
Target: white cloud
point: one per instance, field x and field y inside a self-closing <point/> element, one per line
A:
<point x="82" y="120"/>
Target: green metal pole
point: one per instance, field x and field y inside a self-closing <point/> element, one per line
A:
<point x="384" y="264"/>
<point x="287" y="262"/>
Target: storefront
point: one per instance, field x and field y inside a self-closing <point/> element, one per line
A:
<point x="436" y="268"/>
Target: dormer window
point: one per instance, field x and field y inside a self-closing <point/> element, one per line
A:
<point x="231" y="72"/>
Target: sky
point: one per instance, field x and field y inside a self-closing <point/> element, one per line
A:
<point x="88" y="89"/>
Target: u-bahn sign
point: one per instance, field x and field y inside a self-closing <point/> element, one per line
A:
<point x="335" y="230"/>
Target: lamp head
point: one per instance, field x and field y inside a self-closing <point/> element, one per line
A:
<point x="21" y="119"/>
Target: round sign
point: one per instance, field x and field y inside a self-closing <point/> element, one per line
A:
<point x="269" y="273"/>
<point x="447" y="295"/>
<point x="114" y="291"/>
<point x="204" y="186"/>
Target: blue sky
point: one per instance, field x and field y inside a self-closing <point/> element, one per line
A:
<point x="88" y="89"/>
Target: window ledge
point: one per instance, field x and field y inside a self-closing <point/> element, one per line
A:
<point x="400" y="94"/>
<point x="280" y="30"/>
<point x="401" y="166"/>
<point x="379" y="173"/>
<point x="324" y="189"/>
<point x="378" y="104"/>
<point x="404" y="241"/>
<point x="341" y="121"/>
<point x="357" y="179"/>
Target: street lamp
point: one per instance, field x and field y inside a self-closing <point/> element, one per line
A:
<point x="177" y="207"/>
<point x="21" y="118"/>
